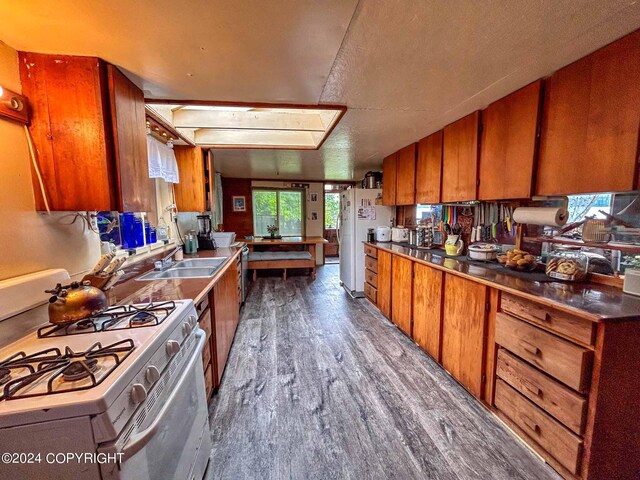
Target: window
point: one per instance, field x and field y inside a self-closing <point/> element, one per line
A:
<point x="283" y="208"/>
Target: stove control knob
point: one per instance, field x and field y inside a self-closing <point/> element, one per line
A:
<point x="138" y="393"/>
<point x="193" y="321"/>
<point x="173" y="347"/>
<point x="186" y="328"/>
<point x="152" y="374"/>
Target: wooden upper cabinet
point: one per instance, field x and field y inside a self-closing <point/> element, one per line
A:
<point x="589" y="135"/>
<point x="88" y="130"/>
<point x="137" y="190"/>
<point x="429" y="168"/>
<point x="402" y="275"/>
<point x="460" y="159"/>
<point x="406" y="175"/>
<point x="389" y="180"/>
<point x="196" y="173"/>
<point x="69" y="127"/>
<point x="464" y="330"/>
<point x="508" y="146"/>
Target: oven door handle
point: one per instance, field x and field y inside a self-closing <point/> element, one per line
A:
<point x="139" y="440"/>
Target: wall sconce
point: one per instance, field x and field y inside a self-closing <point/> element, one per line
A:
<point x="13" y="106"/>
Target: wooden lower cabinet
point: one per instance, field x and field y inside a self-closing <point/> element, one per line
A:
<point x="427" y="308"/>
<point x="225" y="319"/>
<point x="384" y="283"/>
<point x="541" y="427"/>
<point x="402" y="280"/>
<point x="464" y="331"/>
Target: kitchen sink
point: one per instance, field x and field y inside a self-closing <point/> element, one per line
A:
<point x="200" y="262"/>
<point x="190" y="268"/>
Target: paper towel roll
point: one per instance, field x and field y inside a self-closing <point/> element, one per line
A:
<point x="556" y="217"/>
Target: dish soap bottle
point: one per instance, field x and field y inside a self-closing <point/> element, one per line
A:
<point x="162" y="230"/>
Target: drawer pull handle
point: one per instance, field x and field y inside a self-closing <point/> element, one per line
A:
<point x="532" y="388"/>
<point x="530" y="348"/>
<point x="530" y="424"/>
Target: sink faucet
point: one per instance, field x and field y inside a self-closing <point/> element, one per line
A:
<point x="167" y="261"/>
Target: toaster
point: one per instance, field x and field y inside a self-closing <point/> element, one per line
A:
<point x="631" y="281"/>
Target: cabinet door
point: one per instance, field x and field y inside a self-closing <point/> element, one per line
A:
<point x="384" y="283"/>
<point x="508" y="146"/>
<point x="389" y="180"/>
<point x="225" y="318"/>
<point x="589" y="136"/>
<point x="460" y="159"/>
<point x="427" y="308"/>
<point x="406" y="176"/>
<point x="190" y="192"/>
<point x="402" y="275"/>
<point x="68" y="103"/>
<point x="429" y="169"/>
<point x="463" y="331"/>
<point x="137" y="191"/>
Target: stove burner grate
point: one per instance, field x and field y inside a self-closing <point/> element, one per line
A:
<point x="109" y="319"/>
<point x="79" y="369"/>
<point x="68" y="366"/>
<point x="5" y="375"/>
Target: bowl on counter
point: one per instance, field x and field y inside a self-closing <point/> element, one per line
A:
<point x="483" y="251"/>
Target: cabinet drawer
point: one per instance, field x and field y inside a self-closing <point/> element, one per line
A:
<point x="206" y="355"/>
<point x="562" y="403"/>
<point x="574" y="328"/>
<point x="205" y="323"/>
<point x="370" y="251"/>
<point x="561" y="359"/>
<point x="558" y="441"/>
<point x="202" y="306"/>
<point x="371" y="263"/>
<point x="371" y="293"/>
<point x="371" y="278"/>
<point x="208" y="381"/>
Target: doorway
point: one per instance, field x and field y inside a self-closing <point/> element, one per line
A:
<point x="331" y="211"/>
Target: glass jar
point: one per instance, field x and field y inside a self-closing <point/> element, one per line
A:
<point x="567" y="265"/>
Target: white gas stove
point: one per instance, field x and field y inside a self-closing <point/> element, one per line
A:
<point x="125" y="387"/>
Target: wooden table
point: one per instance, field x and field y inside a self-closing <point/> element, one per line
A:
<point x="309" y="244"/>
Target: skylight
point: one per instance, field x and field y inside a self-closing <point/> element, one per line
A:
<point x="218" y="125"/>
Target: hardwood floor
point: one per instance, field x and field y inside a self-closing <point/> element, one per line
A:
<point x="322" y="386"/>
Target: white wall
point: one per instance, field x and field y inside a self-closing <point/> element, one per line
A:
<point x="31" y="241"/>
<point x="313" y="228"/>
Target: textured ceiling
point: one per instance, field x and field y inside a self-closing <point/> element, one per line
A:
<point x="404" y="68"/>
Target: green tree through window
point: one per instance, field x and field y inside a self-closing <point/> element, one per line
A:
<point x="331" y="209"/>
<point x="283" y="208"/>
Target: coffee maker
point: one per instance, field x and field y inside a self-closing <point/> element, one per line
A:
<point x="205" y="234"/>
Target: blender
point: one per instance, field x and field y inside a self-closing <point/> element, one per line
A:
<point x="205" y="235"/>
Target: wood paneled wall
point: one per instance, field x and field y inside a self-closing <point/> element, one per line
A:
<point x="239" y="222"/>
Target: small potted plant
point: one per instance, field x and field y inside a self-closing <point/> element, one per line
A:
<point x="273" y="230"/>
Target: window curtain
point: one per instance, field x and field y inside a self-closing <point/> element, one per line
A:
<point x="162" y="161"/>
<point x="217" y="202"/>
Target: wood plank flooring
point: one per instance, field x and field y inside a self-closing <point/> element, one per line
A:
<point x="320" y="386"/>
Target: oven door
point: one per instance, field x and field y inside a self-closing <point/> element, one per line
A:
<point x="170" y="444"/>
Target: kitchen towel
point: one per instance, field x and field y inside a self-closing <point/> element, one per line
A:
<point x="162" y="161"/>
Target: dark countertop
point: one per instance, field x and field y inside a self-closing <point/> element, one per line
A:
<point x="595" y="302"/>
<point x="131" y="290"/>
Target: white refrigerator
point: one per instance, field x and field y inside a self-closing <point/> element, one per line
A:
<point x="358" y="213"/>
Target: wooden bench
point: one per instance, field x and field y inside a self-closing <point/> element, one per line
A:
<point x="275" y="260"/>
